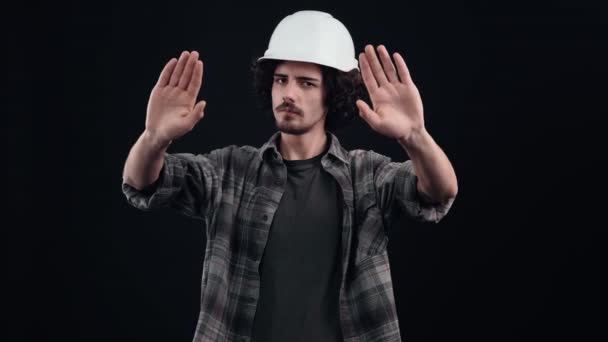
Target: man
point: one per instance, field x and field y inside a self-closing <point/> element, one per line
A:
<point x="296" y="230"/>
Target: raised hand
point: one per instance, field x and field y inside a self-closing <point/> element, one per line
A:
<point x="171" y="109"/>
<point x="397" y="106"/>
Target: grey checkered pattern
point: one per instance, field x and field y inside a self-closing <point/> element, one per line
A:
<point x="236" y="191"/>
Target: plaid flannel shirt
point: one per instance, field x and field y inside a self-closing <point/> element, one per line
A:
<point x="236" y="191"/>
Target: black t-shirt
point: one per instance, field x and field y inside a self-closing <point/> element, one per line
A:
<point x="300" y="267"/>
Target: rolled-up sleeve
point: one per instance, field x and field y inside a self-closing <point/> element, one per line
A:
<point x="396" y="183"/>
<point x="187" y="183"/>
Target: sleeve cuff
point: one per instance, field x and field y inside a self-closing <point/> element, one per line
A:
<point x="414" y="202"/>
<point x="156" y="194"/>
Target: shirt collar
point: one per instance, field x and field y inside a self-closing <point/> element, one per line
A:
<point x="335" y="149"/>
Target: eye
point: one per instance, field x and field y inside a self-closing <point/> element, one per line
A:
<point x="308" y="84"/>
<point x="279" y="80"/>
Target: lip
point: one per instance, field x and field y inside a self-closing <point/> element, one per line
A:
<point x="288" y="112"/>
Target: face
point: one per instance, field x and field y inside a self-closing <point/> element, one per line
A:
<point x="298" y="99"/>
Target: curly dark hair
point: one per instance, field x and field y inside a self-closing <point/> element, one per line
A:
<point x="342" y="89"/>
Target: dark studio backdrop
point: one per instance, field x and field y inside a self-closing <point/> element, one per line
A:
<point x="514" y="93"/>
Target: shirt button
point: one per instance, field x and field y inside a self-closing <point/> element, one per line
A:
<point x="250" y="300"/>
<point x="265" y="217"/>
<point x="278" y="182"/>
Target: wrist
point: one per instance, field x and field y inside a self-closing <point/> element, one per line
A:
<point x="155" y="141"/>
<point x="415" y="138"/>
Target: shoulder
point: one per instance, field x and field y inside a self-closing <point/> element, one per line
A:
<point x="237" y="151"/>
<point x="235" y="154"/>
<point x="369" y="164"/>
<point x="223" y="158"/>
<point x="367" y="158"/>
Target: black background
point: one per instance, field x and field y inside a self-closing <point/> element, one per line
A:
<point x="514" y="92"/>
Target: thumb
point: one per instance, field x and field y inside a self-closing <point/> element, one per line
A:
<point x="199" y="110"/>
<point x="367" y="113"/>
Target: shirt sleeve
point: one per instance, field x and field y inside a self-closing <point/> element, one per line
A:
<point x="396" y="183"/>
<point x="187" y="183"/>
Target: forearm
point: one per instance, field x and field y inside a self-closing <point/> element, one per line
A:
<point x="145" y="161"/>
<point x="436" y="176"/>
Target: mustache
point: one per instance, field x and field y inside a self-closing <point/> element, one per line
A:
<point x="285" y="106"/>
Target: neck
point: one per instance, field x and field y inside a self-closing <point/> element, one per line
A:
<point x="304" y="146"/>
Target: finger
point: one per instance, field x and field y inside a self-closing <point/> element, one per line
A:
<point x="184" y="80"/>
<point x="387" y="64"/>
<point x="198" y="112"/>
<point x="366" y="74"/>
<point x="404" y="73"/>
<point x="368" y="114"/>
<point x="179" y="68"/>
<point x="374" y="63"/>
<point x="197" y="79"/>
<point x="165" y="75"/>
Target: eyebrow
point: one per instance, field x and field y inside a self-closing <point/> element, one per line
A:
<point x="302" y="78"/>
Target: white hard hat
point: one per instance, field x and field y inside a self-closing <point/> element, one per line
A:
<point x="315" y="37"/>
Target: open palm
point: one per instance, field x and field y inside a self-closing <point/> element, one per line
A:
<point x="397" y="106"/>
<point x="171" y="108"/>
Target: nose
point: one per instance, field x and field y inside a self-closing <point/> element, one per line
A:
<point x="288" y="99"/>
<point x="290" y="90"/>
